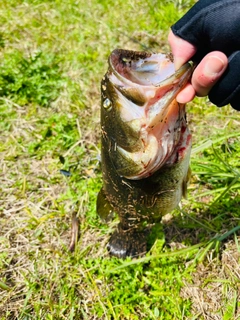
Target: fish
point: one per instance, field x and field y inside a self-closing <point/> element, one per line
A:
<point x="145" y="146"/>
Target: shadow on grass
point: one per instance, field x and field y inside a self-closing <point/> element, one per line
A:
<point x="219" y="222"/>
<point x="204" y="223"/>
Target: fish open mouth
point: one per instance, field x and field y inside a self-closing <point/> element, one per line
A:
<point x="147" y="85"/>
<point x="145" y="68"/>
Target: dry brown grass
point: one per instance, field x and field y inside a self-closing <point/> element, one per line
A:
<point x="215" y="286"/>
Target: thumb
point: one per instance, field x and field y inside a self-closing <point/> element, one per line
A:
<point x="227" y="89"/>
<point x="208" y="72"/>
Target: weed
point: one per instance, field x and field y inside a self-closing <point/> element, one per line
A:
<point x="36" y="79"/>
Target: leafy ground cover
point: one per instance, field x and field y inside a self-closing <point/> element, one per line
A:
<point x="52" y="57"/>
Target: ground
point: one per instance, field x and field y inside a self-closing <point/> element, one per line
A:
<point x="53" y="56"/>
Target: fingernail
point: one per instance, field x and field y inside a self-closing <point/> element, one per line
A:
<point x="213" y="66"/>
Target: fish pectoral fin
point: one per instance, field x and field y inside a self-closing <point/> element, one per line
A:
<point x="104" y="209"/>
<point x="185" y="183"/>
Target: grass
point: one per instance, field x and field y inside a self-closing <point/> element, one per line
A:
<point x="53" y="56"/>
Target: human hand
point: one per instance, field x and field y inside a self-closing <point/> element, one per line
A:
<point x="209" y="34"/>
<point x="205" y="75"/>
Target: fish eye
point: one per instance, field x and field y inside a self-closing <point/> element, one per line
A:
<point x="107" y="104"/>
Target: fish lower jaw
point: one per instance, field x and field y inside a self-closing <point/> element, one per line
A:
<point x="149" y="159"/>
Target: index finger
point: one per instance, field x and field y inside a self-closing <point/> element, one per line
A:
<point x="181" y="49"/>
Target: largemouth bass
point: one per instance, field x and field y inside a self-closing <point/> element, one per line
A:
<point x="146" y="145"/>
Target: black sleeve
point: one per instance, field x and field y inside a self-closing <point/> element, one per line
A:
<point x="215" y="25"/>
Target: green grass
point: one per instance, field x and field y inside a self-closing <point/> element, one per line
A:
<point x="53" y="55"/>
